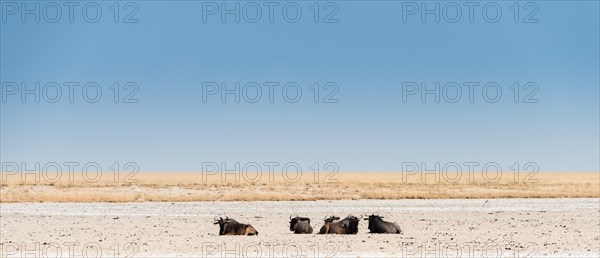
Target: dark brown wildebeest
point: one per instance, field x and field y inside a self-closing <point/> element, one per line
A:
<point x="325" y="229"/>
<point x="229" y="226"/>
<point x="300" y="225"/>
<point x="377" y="225"/>
<point x="333" y="225"/>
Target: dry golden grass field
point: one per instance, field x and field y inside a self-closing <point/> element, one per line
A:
<point x="184" y="187"/>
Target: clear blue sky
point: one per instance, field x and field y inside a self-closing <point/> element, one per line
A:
<point x="368" y="53"/>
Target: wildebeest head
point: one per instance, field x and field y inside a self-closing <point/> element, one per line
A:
<point x="350" y="224"/>
<point x="223" y="225"/>
<point x="373" y="220"/>
<point x="331" y="219"/>
<point x="300" y="225"/>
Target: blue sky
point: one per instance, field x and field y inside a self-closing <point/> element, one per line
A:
<point x="369" y="53"/>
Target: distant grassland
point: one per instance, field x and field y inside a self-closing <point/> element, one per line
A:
<point x="184" y="187"/>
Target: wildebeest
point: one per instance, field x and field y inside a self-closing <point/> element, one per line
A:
<point x="377" y="225"/>
<point x="333" y="225"/>
<point x="229" y="226"/>
<point x="325" y="229"/>
<point x="300" y="225"/>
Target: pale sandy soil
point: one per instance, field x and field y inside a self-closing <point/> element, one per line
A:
<point x="440" y="228"/>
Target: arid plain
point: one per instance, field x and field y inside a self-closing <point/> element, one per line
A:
<point x="184" y="187"/>
<point x="430" y="228"/>
<point x="171" y="215"/>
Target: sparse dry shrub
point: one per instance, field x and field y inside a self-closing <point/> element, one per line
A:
<point x="184" y="187"/>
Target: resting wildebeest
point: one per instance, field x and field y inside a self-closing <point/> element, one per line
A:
<point x="229" y="226"/>
<point x="300" y="225"/>
<point x="377" y="225"/>
<point x="333" y="225"/>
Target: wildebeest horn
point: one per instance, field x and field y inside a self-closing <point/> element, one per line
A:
<point x="361" y="216"/>
<point x="290" y="217"/>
